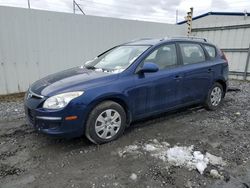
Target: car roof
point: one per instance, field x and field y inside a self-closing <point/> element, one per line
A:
<point x="144" y="41"/>
<point x="155" y="41"/>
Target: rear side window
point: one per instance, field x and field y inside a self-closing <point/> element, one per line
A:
<point x="210" y="50"/>
<point x="192" y="53"/>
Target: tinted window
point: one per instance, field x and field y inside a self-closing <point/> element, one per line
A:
<point x="192" y="53"/>
<point x="164" y="57"/>
<point x="210" y="50"/>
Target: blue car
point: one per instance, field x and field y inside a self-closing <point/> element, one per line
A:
<point x="126" y="83"/>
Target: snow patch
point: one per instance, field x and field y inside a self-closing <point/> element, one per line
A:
<point x="214" y="160"/>
<point x="149" y="147"/>
<point x="181" y="156"/>
<point x="131" y="149"/>
<point x="186" y="157"/>
<point x="200" y="161"/>
<point x="133" y="176"/>
<point x="215" y="174"/>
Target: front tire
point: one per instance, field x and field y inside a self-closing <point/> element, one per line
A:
<point x="106" y="122"/>
<point x="214" y="97"/>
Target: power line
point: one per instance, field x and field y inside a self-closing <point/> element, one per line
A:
<point x="76" y="4"/>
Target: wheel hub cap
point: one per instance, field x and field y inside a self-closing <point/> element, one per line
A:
<point x="108" y="124"/>
<point x="216" y="96"/>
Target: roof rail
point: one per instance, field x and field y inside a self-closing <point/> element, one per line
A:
<point x="135" y="40"/>
<point x="190" y="37"/>
<point x="138" y="39"/>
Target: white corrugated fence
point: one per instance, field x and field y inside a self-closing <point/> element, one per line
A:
<point x="36" y="43"/>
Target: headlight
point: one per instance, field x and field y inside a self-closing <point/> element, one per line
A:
<point x="61" y="100"/>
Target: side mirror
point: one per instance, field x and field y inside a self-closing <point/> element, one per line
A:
<point x="148" y="67"/>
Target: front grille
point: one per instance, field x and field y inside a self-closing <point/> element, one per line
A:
<point x="38" y="123"/>
<point x="43" y="124"/>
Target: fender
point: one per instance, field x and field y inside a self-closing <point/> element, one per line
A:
<point x="116" y="97"/>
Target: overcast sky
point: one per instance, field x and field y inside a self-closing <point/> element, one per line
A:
<point x="148" y="10"/>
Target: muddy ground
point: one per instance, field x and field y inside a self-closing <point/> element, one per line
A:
<point x="29" y="159"/>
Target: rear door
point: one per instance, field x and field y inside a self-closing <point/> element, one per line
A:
<point x="219" y="63"/>
<point x="197" y="72"/>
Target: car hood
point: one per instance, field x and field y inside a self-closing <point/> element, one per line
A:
<point x="75" y="79"/>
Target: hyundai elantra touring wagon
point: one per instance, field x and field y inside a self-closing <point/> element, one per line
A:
<point x="128" y="82"/>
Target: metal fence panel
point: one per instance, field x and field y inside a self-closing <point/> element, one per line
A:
<point x="234" y="40"/>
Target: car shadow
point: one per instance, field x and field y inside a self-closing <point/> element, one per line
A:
<point x="81" y="142"/>
<point x="164" y="117"/>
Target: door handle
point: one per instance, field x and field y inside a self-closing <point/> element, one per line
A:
<point x="209" y="70"/>
<point x="177" y="77"/>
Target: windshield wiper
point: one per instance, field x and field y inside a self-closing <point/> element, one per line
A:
<point x="97" y="68"/>
<point x="90" y="67"/>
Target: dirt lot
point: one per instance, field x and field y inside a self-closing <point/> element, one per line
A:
<point x="28" y="159"/>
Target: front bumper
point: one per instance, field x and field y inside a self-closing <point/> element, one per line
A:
<point x="52" y="122"/>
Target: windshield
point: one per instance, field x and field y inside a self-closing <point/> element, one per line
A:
<point x="117" y="59"/>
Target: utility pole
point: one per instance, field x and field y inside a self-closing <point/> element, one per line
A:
<point x="176" y="19"/>
<point x="245" y="14"/>
<point x="74" y="6"/>
<point x="29" y="4"/>
<point x="189" y="19"/>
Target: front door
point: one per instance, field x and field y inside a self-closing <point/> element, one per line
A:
<point x="162" y="87"/>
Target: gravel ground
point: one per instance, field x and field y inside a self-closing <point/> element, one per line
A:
<point x="11" y="107"/>
<point x="28" y="159"/>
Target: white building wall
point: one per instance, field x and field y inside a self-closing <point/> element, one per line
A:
<point x="36" y="43"/>
<point x="219" y="19"/>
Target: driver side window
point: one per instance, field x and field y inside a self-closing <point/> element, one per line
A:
<point x="164" y="56"/>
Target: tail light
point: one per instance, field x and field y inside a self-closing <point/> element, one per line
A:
<point x="223" y="56"/>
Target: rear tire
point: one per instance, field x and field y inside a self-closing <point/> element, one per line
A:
<point x="214" y="97"/>
<point x="106" y="122"/>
